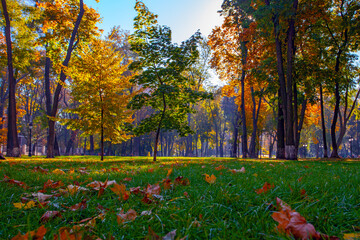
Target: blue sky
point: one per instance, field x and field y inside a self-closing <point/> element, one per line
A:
<point x="184" y="17"/>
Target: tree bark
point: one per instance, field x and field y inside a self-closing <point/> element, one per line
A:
<point x="13" y="148"/>
<point x="334" y="153"/>
<point x="235" y="135"/>
<point x="243" y="115"/>
<point x="290" y="149"/>
<point x="280" y="153"/>
<point x="323" y="123"/>
<point x="91" y="150"/>
<point x="53" y="112"/>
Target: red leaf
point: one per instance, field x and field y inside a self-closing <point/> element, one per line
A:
<point x="265" y="188"/>
<point x="79" y="206"/>
<point x="15" y="182"/>
<point x="182" y="181"/>
<point x="135" y="190"/>
<point x="50" y="215"/>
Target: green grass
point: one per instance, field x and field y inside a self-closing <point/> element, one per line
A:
<point x="228" y="209"/>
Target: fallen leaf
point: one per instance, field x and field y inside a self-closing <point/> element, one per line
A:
<point x="79" y="206"/>
<point x="167" y="183"/>
<point x="125" y="217"/>
<point x="51" y="184"/>
<point x="15" y="182"/>
<point x="169" y="172"/>
<point x="41" y="197"/>
<point x="152" y="189"/>
<point x="135" y="190"/>
<point x="120" y="190"/>
<point x="35" y="235"/>
<point x="293" y="224"/>
<point x="58" y="171"/>
<point x="351" y="236"/>
<point x="266" y="187"/>
<point x="50" y="215"/>
<point x="182" y="181"/>
<point x="242" y="170"/>
<point x="210" y="179"/>
<point x="219" y="168"/>
<point x="27" y="205"/>
<point x="153" y="236"/>
<point x="40" y="169"/>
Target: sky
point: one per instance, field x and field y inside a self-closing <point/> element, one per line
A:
<point x="184" y="17"/>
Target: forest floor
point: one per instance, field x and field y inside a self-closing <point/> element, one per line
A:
<point x="77" y="198"/>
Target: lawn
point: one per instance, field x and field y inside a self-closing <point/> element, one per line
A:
<point x="233" y="206"/>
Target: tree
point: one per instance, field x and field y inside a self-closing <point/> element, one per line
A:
<point x="162" y="64"/>
<point x="56" y="21"/>
<point x="100" y="92"/>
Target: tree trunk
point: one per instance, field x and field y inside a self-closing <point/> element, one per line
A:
<point x="290" y="149"/>
<point x="323" y="123"/>
<point x="53" y="112"/>
<point x="255" y="116"/>
<point x="102" y="135"/>
<point x="334" y="153"/>
<point x="235" y="135"/>
<point x="13" y="148"/>
<point x="243" y="115"/>
<point x="280" y="153"/>
<point x="91" y="150"/>
<point x="70" y="143"/>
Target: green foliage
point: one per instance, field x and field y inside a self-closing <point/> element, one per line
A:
<point x="162" y="65"/>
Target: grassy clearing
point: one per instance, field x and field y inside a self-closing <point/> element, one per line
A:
<point x="228" y="209"/>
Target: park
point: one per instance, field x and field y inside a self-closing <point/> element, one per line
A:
<point x="207" y="119"/>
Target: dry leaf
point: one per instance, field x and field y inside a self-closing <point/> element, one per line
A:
<point x="182" y="181"/>
<point x="125" y="217"/>
<point x="58" y="171"/>
<point x="293" y="224"/>
<point x="50" y="215"/>
<point x="351" y="236"/>
<point x="35" y="235"/>
<point x="79" y="206"/>
<point x="266" y="187"/>
<point x="242" y="170"/>
<point x="210" y="179"/>
<point x="27" y="205"/>
<point x="169" y="172"/>
<point x="120" y="190"/>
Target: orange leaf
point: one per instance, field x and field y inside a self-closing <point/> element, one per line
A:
<point x="210" y="179"/>
<point x="219" y="168"/>
<point x="36" y="234"/>
<point x="169" y="172"/>
<point x="120" y="190"/>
